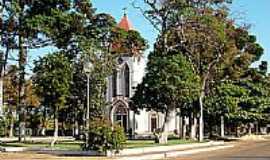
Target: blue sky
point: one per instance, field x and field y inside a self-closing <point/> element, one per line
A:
<point x="253" y="12"/>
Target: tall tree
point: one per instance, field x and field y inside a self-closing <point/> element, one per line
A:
<point x="169" y="84"/>
<point x="32" y="24"/>
<point x="52" y="77"/>
<point x="11" y="85"/>
<point x="204" y="33"/>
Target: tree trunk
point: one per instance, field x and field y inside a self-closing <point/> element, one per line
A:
<point x="181" y="126"/>
<point x="237" y="131"/>
<point x="257" y="128"/>
<point x="249" y="128"/>
<point x="11" y="127"/>
<point x="1" y="94"/>
<point x="21" y="105"/>
<point x="22" y="130"/>
<point x="201" y="130"/>
<point x="55" y="127"/>
<point x="193" y="126"/>
<point x="184" y="132"/>
<point x="63" y="129"/>
<point x="43" y="131"/>
<point x="222" y="134"/>
<point x="2" y="74"/>
<point x="76" y="128"/>
<point x="201" y="98"/>
<point x="163" y="138"/>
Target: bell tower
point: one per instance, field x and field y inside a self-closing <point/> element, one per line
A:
<point x="125" y="23"/>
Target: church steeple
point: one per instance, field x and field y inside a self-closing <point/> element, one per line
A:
<point x="125" y="23"/>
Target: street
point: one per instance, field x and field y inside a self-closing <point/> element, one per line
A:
<point x="242" y="151"/>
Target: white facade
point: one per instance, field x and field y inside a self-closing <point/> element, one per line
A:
<point x="122" y="86"/>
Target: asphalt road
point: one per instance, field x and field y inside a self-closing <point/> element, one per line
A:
<point x="241" y="151"/>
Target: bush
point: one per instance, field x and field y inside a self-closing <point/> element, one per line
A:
<point x="104" y="136"/>
<point x="3" y="126"/>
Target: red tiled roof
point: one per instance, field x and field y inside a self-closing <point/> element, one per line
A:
<point x="125" y="23"/>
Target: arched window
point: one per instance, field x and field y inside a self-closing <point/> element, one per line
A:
<point x="126" y="81"/>
<point x="114" y="83"/>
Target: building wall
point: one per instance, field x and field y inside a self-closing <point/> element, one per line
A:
<point x="140" y="124"/>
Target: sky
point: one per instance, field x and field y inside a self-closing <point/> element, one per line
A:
<point x="253" y="12"/>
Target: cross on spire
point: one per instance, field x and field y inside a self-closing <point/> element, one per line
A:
<point x="125" y="23"/>
<point x="125" y="11"/>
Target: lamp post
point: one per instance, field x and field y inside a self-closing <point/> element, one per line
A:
<point x="87" y="68"/>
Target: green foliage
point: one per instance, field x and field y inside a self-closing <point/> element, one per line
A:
<point x="169" y="83"/>
<point x="128" y="42"/>
<point x="11" y="85"/>
<point x="103" y="136"/>
<point x="225" y="99"/>
<point x="3" y="126"/>
<point x="241" y="101"/>
<point x="38" y="22"/>
<point x="52" y="77"/>
<point x="216" y="49"/>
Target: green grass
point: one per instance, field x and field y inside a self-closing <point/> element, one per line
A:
<point x="76" y="145"/>
<point x="151" y="143"/>
<point x="60" y="146"/>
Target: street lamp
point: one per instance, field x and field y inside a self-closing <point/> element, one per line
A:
<point x="87" y="68"/>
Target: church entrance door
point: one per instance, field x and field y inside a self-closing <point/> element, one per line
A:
<point x="121" y="116"/>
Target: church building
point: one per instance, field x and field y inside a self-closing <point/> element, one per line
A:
<point x="122" y="86"/>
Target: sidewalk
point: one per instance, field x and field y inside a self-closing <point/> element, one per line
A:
<point x="173" y="154"/>
<point x="157" y="149"/>
<point x="161" y="152"/>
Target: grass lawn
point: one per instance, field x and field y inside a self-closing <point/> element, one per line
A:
<point x="151" y="143"/>
<point x="76" y="145"/>
<point x="60" y="146"/>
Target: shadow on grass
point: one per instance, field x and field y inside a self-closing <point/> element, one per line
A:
<point x="10" y="145"/>
<point x="151" y="143"/>
<point x="58" y="146"/>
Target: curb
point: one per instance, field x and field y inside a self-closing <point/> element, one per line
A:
<point x="173" y="154"/>
<point x="162" y="149"/>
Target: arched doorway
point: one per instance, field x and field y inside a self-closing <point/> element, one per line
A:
<point x="120" y="115"/>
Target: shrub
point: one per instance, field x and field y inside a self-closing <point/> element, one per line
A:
<point x="104" y="136"/>
<point x="3" y="126"/>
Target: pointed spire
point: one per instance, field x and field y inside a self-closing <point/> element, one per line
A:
<point x="125" y="23"/>
<point x="125" y="11"/>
